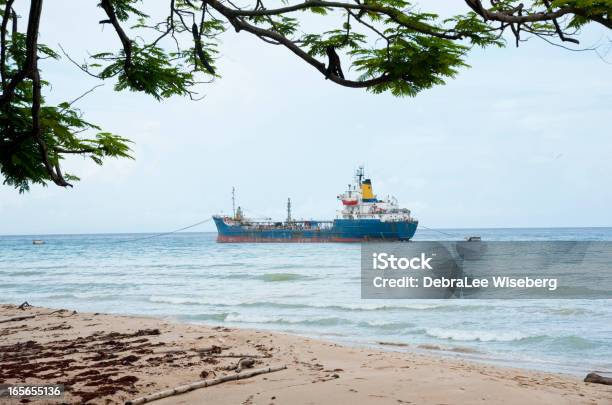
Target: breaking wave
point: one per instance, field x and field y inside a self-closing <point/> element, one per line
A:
<point x="258" y="319"/>
<point x="475" y="335"/>
<point x="361" y="307"/>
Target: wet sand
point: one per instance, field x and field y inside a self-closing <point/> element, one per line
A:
<point x="107" y="359"/>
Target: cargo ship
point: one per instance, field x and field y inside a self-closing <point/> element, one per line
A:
<point x="363" y="218"/>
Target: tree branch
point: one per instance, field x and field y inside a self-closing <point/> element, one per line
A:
<point x="241" y="24"/>
<point x="549" y="15"/>
<point x="76" y="151"/>
<point x="558" y="28"/>
<point x="394" y="14"/>
<point x="125" y="40"/>
<point x="32" y="66"/>
<point x="3" y="28"/>
<point x="199" y="51"/>
<point x="82" y="95"/>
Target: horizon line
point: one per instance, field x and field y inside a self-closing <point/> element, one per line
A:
<point x="188" y="232"/>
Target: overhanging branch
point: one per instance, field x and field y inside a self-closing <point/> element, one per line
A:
<point x="240" y="24"/>
<point x="125" y="40"/>
<point x="32" y="65"/>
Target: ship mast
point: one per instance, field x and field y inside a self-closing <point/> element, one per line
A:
<point x="289" y="210"/>
<point x="359" y="174"/>
<point x="233" y="202"/>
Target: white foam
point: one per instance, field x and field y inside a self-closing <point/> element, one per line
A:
<point x="475" y="335"/>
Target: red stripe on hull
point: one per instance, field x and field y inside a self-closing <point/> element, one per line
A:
<point x="248" y="239"/>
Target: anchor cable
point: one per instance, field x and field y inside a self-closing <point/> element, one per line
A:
<point x="435" y="230"/>
<point x="165" y="233"/>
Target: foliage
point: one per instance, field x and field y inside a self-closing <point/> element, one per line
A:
<point x="390" y="45"/>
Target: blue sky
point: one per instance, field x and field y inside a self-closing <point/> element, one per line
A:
<point x="521" y="139"/>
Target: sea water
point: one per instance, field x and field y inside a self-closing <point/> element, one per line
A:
<point x="307" y="289"/>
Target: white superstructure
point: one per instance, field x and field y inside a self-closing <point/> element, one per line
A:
<point x="359" y="202"/>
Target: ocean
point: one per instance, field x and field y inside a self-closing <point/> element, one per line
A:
<point x="307" y="289"/>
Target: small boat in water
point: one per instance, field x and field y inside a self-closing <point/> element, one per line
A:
<point x="363" y="218"/>
<point x="472" y="248"/>
<point x="38" y="242"/>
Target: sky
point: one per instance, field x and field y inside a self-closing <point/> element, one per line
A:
<point x="520" y="139"/>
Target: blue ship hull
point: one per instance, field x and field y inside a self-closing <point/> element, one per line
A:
<point x="341" y="230"/>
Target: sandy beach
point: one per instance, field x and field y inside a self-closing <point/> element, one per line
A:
<point x="105" y="359"/>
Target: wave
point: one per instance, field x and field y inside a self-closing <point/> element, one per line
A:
<point x="306" y="266"/>
<point x="24" y="273"/>
<point x="220" y="317"/>
<point x="568" y="311"/>
<point x="45" y="267"/>
<point x="575" y="342"/>
<point x="179" y="301"/>
<point x="231" y="276"/>
<point x="274" y="277"/>
<point x="331" y="307"/>
<point x="454" y="349"/>
<point x="568" y="342"/>
<point x="92" y="296"/>
<point x="386" y="325"/>
<point x="324" y="321"/>
<point x="106" y="288"/>
<point x="267" y="277"/>
<point x="225" y="304"/>
<point x="186" y="266"/>
<point x="475" y="335"/>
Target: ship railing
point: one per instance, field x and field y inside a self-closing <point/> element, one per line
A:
<point x="293" y="225"/>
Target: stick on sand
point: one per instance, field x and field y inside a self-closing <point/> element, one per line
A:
<point x="17" y="318"/>
<point x="201" y="384"/>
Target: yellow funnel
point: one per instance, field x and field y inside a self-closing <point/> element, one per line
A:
<point x="366" y="190"/>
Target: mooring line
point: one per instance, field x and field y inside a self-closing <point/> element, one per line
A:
<point x="164" y="233"/>
<point x="435" y="230"/>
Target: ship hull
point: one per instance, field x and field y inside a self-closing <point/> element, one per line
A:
<point x="342" y="230"/>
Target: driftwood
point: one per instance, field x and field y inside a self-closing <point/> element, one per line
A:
<point x="393" y="344"/>
<point x="215" y="349"/>
<point x="17" y="318"/>
<point x="201" y="384"/>
<point x="597" y="379"/>
<point x="245" y="362"/>
<point x="173" y="351"/>
<point x="24" y="317"/>
<point x="57" y="311"/>
<point x="255" y="356"/>
<point x="211" y="351"/>
<point x="61" y="311"/>
<point x="24" y="305"/>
